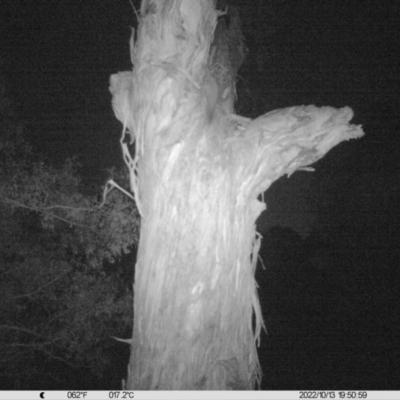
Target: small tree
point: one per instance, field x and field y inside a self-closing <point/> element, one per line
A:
<point x="196" y="175"/>
<point x="59" y="304"/>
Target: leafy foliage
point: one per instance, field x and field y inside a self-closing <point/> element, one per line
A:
<point x="61" y="301"/>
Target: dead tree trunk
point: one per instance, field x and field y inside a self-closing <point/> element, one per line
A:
<point x="196" y="174"/>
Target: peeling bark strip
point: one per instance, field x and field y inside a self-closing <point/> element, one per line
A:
<point x="196" y="175"/>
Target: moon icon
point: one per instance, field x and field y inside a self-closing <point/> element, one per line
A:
<point x="41" y="395"/>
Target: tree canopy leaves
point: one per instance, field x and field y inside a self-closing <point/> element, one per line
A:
<point x="63" y="288"/>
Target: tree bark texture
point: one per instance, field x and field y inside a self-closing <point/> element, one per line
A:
<point x="196" y="174"/>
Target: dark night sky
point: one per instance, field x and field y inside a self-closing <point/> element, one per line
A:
<point x="58" y="59"/>
<point x="58" y="55"/>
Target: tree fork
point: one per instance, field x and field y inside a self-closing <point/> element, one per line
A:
<point x="196" y="174"/>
